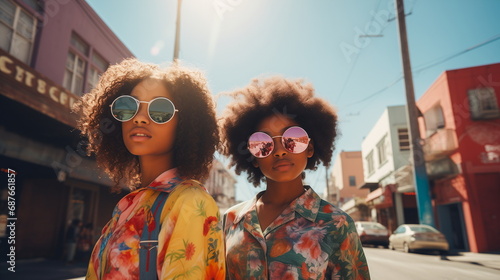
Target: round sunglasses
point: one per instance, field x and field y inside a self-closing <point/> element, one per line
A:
<point x="295" y="140"/>
<point x="160" y="110"/>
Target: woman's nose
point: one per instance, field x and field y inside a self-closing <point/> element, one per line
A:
<point x="142" y="115"/>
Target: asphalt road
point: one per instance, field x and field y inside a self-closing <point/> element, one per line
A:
<point x="384" y="265"/>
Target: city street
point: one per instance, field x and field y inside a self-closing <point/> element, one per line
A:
<point x="384" y="264"/>
<point x="388" y="265"/>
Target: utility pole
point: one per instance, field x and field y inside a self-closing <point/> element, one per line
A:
<point x="327" y="185"/>
<point x="177" y="31"/>
<point x="424" y="204"/>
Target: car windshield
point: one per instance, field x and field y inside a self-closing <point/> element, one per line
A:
<point x="422" y="229"/>
<point x="373" y="226"/>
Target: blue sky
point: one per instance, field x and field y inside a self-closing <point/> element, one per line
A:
<point x="321" y="41"/>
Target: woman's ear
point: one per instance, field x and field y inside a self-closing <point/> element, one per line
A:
<point x="310" y="149"/>
<point x="255" y="163"/>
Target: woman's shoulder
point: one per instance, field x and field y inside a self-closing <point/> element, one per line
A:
<point x="191" y="183"/>
<point x="329" y="211"/>
<point x="238" y="209"/>
<point x="235" y="213"/>
<point x="191" y="189"/>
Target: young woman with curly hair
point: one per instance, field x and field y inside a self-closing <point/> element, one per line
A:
<point x="274" y="130"/>
<point x="154" y="131"/>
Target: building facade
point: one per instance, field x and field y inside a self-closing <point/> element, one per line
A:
<point x="461" y="127"/>
<point x="343" y="188"/>
<point x="221" y="184"/>
<point x="387" y="170"/>
<point x="51" y="52"/>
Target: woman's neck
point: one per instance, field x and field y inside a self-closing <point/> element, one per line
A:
<point x="282" y="193"/>
<point x="152" y="167"/>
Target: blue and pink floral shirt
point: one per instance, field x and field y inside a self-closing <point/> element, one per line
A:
<point x="311" y="239"/>
<point x="190" y="242"/>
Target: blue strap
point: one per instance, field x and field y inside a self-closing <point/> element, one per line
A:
<point x="148" y="245"/>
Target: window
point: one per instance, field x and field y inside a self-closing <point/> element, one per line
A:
<point x="73" y="76"/>
<point x="400" y="229"/>
<point x="382" y="156"/>
<point x="483" y="104"/>
<point x="352" y="181"/>
<point x="369" y="163"/>
<point x="81" y="58"/>
<point x="98" y="66"/>
<point x="434" y="119"/>
<point x="404" y="139"/>
<point x="17" y="31"/>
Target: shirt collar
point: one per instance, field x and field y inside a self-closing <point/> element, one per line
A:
<point x="307" y="205"/>
<point x="166" y="181"/>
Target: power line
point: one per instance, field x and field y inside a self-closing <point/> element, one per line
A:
<point x="494" y="38"/>
<point x="422" y="68"/>
<point x="377" y="92"/>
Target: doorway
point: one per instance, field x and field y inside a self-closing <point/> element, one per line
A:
<point x="451" y="220"/>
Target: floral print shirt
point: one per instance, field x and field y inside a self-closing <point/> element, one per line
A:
<point x="190" y="244"/>
<point x="311" y="239"/>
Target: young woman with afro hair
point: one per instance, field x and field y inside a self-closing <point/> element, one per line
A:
<point x="154" y="131"/>
<point x="273" y="130"/>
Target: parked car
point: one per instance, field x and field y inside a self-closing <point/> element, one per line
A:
<point x="372" y="233"/>
<point x="411" y="237"/>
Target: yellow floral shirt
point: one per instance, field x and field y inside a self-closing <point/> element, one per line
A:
<point x="190" y="242"/>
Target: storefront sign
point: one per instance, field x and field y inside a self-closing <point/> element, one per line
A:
<point x="491" y="154"/>
<point x="34" y="90"/>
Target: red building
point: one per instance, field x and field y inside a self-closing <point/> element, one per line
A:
<point x="461" y="127"/>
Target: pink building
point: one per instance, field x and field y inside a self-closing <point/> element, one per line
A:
<point x="51" y="52"/>
<point x="343" y="189"/>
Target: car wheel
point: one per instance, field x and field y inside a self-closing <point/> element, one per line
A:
<point x="391" y="246"/>
<point x="406" y="248"/>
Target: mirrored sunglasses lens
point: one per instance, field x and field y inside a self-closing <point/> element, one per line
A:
<point x="124" y="108"/>
<point x="295" y="140"/>
<point x="260" y="144"/>
<point x="161" y="110"/>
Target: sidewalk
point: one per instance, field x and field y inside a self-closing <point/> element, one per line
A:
<point x="483" y="259"/>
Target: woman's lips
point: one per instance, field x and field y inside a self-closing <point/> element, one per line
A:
<point x="282" y="165"/>
<point x="140" y="135"/>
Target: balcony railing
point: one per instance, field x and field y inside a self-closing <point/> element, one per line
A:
<point x="440" y="144"/>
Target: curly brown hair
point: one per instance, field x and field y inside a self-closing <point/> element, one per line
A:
<point x="276" y="95"/>
<point x="197" y="135"/>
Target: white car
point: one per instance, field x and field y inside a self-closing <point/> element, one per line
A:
<point x="413" y="237"/>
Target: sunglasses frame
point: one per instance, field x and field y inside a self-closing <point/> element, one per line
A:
<point x="282" y="143"/>
<point x="137" y="101"/>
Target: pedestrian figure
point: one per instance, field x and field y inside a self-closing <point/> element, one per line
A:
<point x="154" y="131"/>
<point x="71" y="240"/>
<point x="286" y="231"/>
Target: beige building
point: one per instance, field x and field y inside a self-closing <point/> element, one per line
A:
<point x="345" y="182"/>
<point x="221" y="184"/>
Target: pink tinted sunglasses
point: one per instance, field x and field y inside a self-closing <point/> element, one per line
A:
<point x="295" y="140"/>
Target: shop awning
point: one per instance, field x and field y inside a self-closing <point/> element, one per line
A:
<point x="374" y="194"/>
